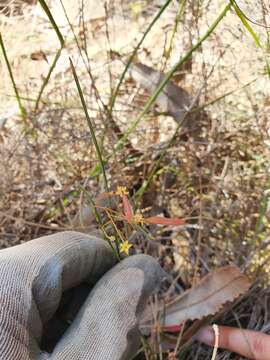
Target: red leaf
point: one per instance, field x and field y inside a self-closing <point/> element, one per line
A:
<point x="172" y="328"/>
<point x="128" y="211"/>
<point x="164" y="221"/>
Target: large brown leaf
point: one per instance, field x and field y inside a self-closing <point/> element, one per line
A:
<point x="206" y="298"/>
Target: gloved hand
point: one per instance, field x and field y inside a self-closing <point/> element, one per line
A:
<point x="33" y="277"/>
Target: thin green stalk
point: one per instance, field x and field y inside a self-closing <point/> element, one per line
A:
<point x="21" y="97"/>
<point x="262" y="212"/>
<point x="267" y="68"/>
<point x="114" y="96"/>
<point x="244" y="21"/>
<point x="163" y="83"/>
<point x="18" y="98"/>
<point x="147" y="182"/>
<point x="93" y="205"/>
<point x="119" y="145"/>
<point x="139" y="193"/>
<point x="92" y="131"/>
<point x="223" y="96"/>
<point x="62" y="44"/>
<point x="177" y="19"/>
<point x="52" y="21"/>
<point x="99" y="221"/>
<point x="46" y="80"/>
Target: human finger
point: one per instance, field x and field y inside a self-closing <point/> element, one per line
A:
<point x="248" y="343"/>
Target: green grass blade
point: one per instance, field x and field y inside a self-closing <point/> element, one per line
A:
<point x="91" y="203"/>
<point x="151" y="100"/>
<point x="263" y="210"/>
<point x="62" y="44"/>
<point x="46" y="80"/>
<point x="268" y="68"/>
<point x="153" y="172"/>
<point x="90" y="125"/>
<point x="162" y="84"/>
<point x="114" y="96"/>
<point x="245" y="23"/>
<point x="18" y="98"/>
<point x="223" y="96"/>
<point x="177" y="19"/>
<point x="52" y="21"/>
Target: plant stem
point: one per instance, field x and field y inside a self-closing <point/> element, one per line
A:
<point x="114" y="96"/>
<point x="90" y="125"/>
<point x="18" y="98"/>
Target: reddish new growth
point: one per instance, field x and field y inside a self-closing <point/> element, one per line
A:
<point x="138" y="219"/>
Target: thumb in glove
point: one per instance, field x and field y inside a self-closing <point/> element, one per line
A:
<point x="33" y="277"/>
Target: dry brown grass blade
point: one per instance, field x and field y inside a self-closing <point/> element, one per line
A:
<point x="208" y="296"/>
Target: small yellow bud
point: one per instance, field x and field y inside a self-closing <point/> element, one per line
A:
<point x="121" y="191"/>
<point x="138" y="219"/>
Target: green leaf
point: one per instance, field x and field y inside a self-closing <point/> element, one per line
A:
<point x="134" y="54"/>
<point x="52" y="21"/>
<point x="18" y="98"/>
<point x="90" y="125"/>
<point x="57" y="56"/>
<point x="244" y="21"/>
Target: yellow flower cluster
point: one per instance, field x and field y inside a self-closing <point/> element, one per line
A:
<point x="138" y="219"/>
<point x="121" y="191"/>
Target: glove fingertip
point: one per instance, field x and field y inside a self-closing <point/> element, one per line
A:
<point x="153" y="272"/>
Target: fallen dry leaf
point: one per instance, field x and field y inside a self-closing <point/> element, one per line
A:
<point x="206" y="298"/>
<point x="38" y="55"/>
<point x="172" y="100"/>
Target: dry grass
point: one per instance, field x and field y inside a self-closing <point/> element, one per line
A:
<point x="217" y="177"/>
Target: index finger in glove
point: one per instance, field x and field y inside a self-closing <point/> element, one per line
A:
<point x="34" y="275"/>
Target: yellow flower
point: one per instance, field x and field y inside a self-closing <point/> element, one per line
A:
<point x="124" y="247"/>
<point x="121" y="191"/>
<point x="138" y="219"/>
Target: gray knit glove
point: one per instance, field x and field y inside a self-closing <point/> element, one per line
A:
<point x="33" y="277"/>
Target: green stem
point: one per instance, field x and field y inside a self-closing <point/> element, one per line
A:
<point x="54" y="25"/>
<point x="45" y="82"/>
<point x="162" y="84"/>
<point x="114" y="96"/>
<point x="90" y="125"/>
<point x="177" y="19"/>
<point x="119" y="145"/>
<point x="18" y="98"/>
<point x="62" y="44"/>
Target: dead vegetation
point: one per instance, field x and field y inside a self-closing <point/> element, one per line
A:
<point x="213" y="170"/>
